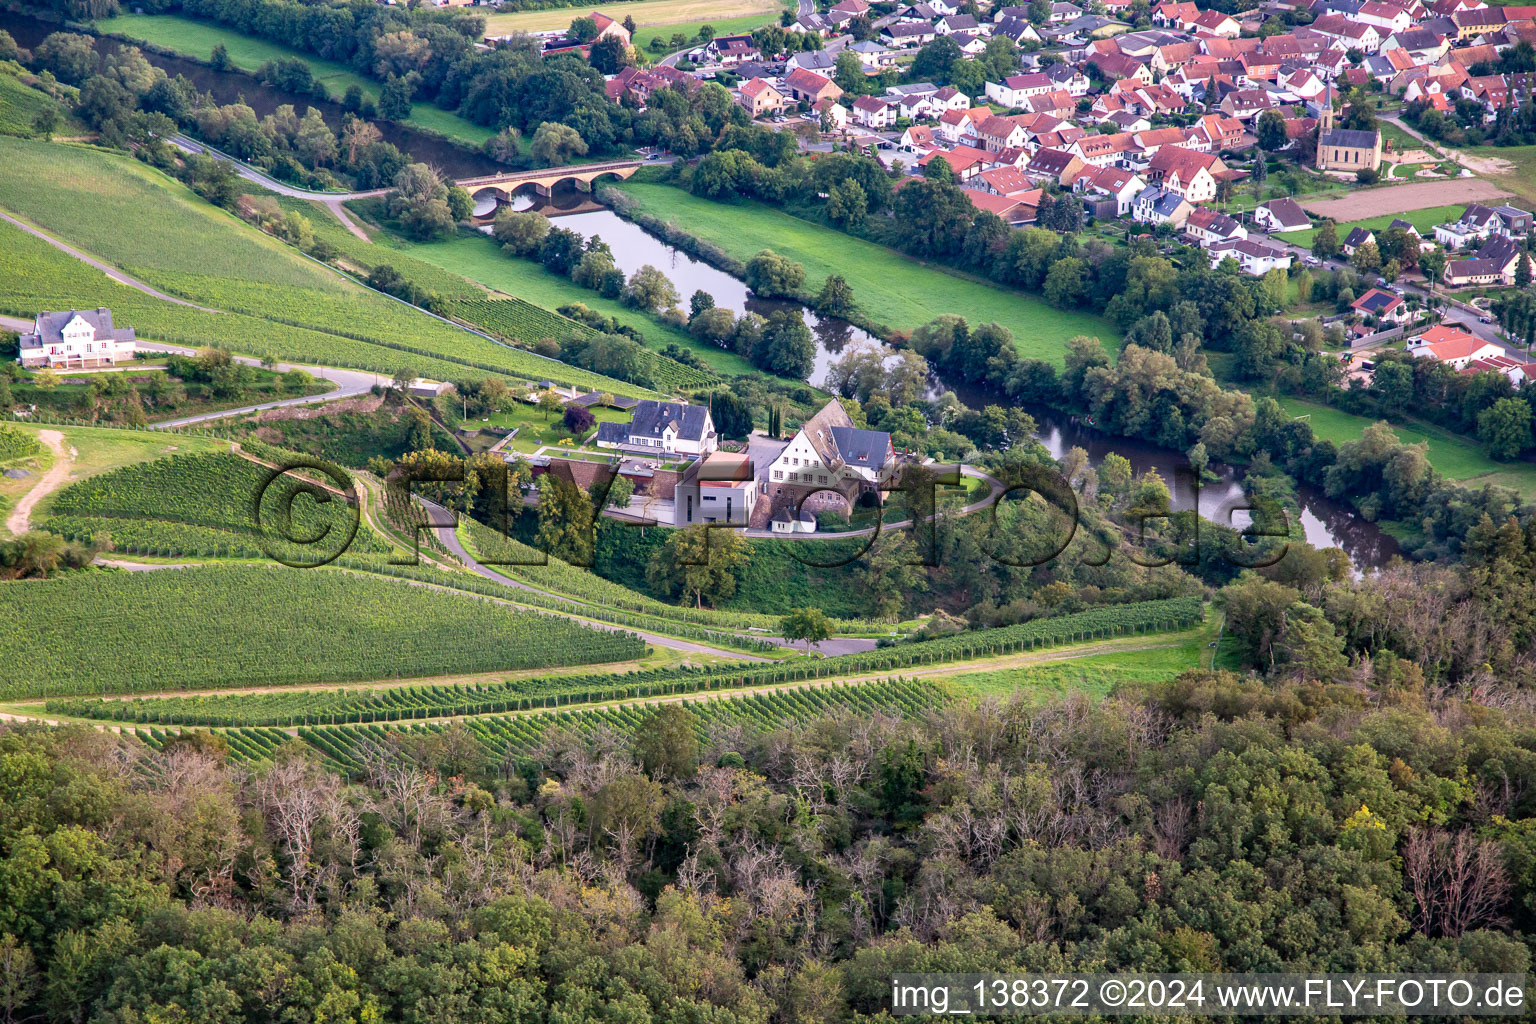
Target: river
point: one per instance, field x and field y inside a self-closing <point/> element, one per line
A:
<point x="238" y="87"/>
<point x="1324" y="521"/>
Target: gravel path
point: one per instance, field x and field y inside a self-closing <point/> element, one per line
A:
<point x="21" y="516"/>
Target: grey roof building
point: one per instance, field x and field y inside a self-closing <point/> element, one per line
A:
<point x="664" y="427"/>
<point x="76" y="337"/>
<point x="1351" y="138"/>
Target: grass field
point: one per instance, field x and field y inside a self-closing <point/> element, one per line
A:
<point x="239" y="625"/>
<point x="723" y="27"/>
<point x="534" y="426"/>
<point x="895" y="290"/>
<point x="645" y="12"/>
<point x="1392" y="132"/>
<point x="1425" y="220"/>
<point x="1454" y="457"/>
<point x="1145" y="659"/>
<point x="476" y="256"/>
<point x="196" y="39"/>
<point x="151" y="226"/>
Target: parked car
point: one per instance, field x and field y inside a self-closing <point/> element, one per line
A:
<point x="1485" y="319"/>
<point x="1312" y="261"/>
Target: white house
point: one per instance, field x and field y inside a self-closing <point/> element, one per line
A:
<point x="872" y="112"/>
<point x="670" y="428"/>
<point x="1454" y="347"/>
<point x="1281" y="215"/>
<point x="830" y="452"/>
<point x="1256" y="258"/>
<point x="1015" y="89"/>
<point x="78" y="338"/>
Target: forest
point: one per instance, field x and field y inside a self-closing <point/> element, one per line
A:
<point x="681" y="872"/>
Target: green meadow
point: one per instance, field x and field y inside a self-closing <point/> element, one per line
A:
<point x="196" y="39"/>
<point x="892" y="288"/>
<point x="1455" y="457"/>
<point x="1424" y="220"/>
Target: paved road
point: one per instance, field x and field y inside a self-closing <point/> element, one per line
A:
<point x="349" y="384"/>
<point x="250" y="173"/>
<point x="112" y="272"/>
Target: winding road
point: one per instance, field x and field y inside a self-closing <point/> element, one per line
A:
<point x="349" y="384"/>
<point x="450" y="538"/>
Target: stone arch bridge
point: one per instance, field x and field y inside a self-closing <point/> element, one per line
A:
<point x="543" y="181"/>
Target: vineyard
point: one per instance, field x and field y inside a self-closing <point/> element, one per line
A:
<point x="420" y="702"/>
<point x="515" y="319"/>
<point x="206" y="505"/>
<point x="281" y="305"/>
<point x="230" y="626"/>
<point x="17" y="444"/>
<point x="519" y="736"/>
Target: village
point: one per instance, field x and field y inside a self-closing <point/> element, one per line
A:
<point x="1167" y="120"/>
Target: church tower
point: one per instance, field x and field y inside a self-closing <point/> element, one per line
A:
<point x="1325" y="116"/>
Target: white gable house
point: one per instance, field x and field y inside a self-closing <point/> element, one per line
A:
<point x="667" y="428"/>
<point x="76" y="339"/>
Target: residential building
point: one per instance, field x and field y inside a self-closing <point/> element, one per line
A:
<point x="810" y="87"/>
<point x="1385" y="306"/>
<point x="1206" y="226"/>
<point x="907" y="35"/>
<point x="872" y="112"/>
<point x="1159" y="206"/>
<point x="1252" y="256"/>
<point x="1451" y="346"/>
<point x="1214" y="23"/>
<point x="760" y="98"/>
<point x="1497" y="262"/>
<point x="1055" y="164"/>
<point x="830" y="452"/>
<point x="76" y="339"/>
<point x="671" y="428"/>
<point x="1015" y="89"/>
<point x="1278" y="215"/>
<point x="733" y="49"/>
<point x="1355" y="239"/>
<point x="965" y="161"/>
<point x="717" y="489"/>
<point x="1186" y="173"/>
<point x="1115" y="187"/>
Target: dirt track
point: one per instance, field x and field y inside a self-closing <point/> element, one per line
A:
<point x="1420" y="195"/>
<point x="21" y="517"/>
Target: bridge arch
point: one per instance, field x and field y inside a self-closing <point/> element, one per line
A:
<point x="505" y="187"/>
